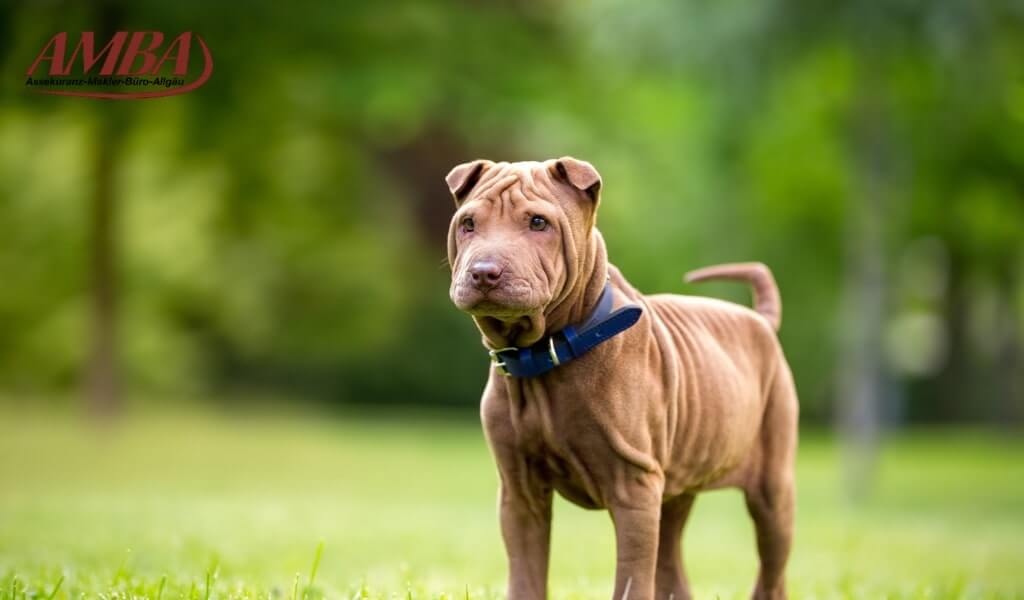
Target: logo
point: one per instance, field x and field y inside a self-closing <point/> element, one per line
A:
<point x="131" y="66"/>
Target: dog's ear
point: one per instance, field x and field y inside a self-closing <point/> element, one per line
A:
<point x="462" y="178"/>
<point x="579" y="174"/>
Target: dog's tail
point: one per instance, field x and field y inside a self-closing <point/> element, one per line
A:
<point x="767" y="301"/>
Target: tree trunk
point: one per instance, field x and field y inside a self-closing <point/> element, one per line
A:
<point x="1008" y="410"/>
<point x="102" y="377"/>
<point x="864" y="291"/>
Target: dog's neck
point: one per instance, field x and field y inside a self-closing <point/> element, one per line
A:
<point x="577" y="300"/>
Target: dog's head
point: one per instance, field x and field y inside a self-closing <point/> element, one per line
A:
<point x="520" y="241"/>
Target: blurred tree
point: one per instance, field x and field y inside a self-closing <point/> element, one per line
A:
<point x="103" y="364"/>
<point x="103" y="376"/>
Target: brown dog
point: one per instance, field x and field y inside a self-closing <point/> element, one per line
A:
<point x="696" y="395"/>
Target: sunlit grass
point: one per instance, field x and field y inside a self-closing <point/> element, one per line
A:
<point x="202" y="507"/>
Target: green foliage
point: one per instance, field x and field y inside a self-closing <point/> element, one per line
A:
<point x="283" y="227"/>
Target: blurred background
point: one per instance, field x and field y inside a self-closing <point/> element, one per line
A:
<point x="276" y="238"/>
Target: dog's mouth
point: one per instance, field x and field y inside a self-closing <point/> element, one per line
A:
<point x="498" y="303"/>
<point x="498" y="311"/>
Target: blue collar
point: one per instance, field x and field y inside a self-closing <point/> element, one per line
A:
<point x="568" y="344"/>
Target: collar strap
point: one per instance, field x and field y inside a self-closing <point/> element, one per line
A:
<point x="569" y="343"/>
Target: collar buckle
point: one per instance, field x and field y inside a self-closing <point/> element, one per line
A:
<point x="500" y="364"/>
<point x="552" y="352"/>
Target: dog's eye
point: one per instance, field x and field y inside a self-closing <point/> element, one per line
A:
<point x="468" y="224"/>
<point x="538" y="223"/>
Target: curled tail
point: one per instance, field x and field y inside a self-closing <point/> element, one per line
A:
<point x="767" y="301"/>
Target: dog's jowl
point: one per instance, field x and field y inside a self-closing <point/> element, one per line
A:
<point x="614" y="399"/>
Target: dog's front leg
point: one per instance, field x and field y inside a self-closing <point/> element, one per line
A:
<point x="526" y="528"/>
<point x="636" y="544"/>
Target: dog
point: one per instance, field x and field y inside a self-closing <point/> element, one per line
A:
<point x="615" y="399"/>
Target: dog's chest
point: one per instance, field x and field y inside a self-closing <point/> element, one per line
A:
<point x="551" y="433"/>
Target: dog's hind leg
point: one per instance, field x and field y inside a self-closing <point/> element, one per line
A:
<point x="770" y="491"/>
<point x="671" y="583"/>
<point x="772" y="511"/>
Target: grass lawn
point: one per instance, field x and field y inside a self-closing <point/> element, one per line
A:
<point x="216" y="506"/>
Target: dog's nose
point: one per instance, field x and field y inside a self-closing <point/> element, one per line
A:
<point x="485" y="274"/>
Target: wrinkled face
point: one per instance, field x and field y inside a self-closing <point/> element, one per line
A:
<point x="514" y="240"/>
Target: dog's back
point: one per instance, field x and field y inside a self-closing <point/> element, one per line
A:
<point x="730" y="365"/>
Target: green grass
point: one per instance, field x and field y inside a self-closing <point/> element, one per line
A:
<point x="201" y="507"/>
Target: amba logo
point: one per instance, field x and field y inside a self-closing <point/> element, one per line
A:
<point x="130" y="61"/>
